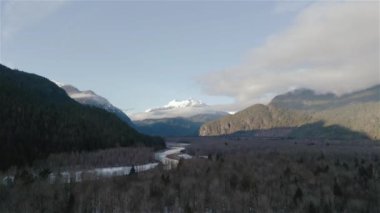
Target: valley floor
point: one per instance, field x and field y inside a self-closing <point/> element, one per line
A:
<point x="225" y="174"/>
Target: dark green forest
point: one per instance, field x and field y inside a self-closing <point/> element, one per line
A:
<point x="37" y="118"/>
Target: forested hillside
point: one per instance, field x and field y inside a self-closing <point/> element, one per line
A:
<point x="357" y="112"/>
<point x="256" y="117"/>
<point x="38" y="118"/>
<point x="90" y="98"/>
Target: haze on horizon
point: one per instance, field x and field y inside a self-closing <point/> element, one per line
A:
<point x="230" y="55"/>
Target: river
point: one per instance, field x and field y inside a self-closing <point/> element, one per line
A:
<point x="163" y="157"/>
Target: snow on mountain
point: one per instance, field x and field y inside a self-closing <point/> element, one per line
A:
<point x="176" y="108"/>
<point x="186" y="103"/>
<point x="57" y="83"/>
<point x="90" y="98"/>
<point x="179" y="104"/>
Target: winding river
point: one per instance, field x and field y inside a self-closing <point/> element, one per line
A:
<point x="163" y="157"/>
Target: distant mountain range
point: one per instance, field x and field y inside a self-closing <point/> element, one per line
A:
<point x="163" y="126"/>
<point x="175" y="109"/>
<point x="38" y="118"/>
<point x="177" y="118"/>
<point x="308" y="114"/>
<point x="90" y="98"/>
<point x="176" y="127"/>
<point x="175" y="104"/>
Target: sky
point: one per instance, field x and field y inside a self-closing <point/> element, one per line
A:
<point x="231" y="54"/>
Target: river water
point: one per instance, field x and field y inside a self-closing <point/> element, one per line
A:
<point x="98" y="173"/>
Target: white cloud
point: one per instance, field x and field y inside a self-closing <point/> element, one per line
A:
<point x="331" y="47"/>
<point x="185" y="108"/>
<point x="20" y="14"/>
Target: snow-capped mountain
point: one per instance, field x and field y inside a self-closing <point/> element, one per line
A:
<point x="177" y="118"/>
<point x="90" y="98"/>
<point x="176" y="108"/>
<point x="176" y="127"/>
<point x="175" y="104"/>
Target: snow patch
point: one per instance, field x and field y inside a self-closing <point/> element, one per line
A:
<point x="81" y="95"/>
<point x="78" y="176"/>
<point x="58" y="83"/>
<point x="175" y="104"/>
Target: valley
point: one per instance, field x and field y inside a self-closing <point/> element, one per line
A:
<point x="293" y="154"/>
<point x="217" y="106"/>
<point x="225" y="172"/>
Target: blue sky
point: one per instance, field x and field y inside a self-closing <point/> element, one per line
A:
<point x="139" y="54"/>
<point x="143" y="54"/>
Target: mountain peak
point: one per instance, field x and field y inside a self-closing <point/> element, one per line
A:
<point x="185" y="103"/>
<point x="90" y="98"/>
<point x="177" y="108"/>
<point x="176" y="104"/>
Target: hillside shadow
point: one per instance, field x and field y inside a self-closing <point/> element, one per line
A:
<point x="317" y="130"/>
<point x="320" y="130"/>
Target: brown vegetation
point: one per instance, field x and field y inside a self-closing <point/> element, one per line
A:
<point x="238" y="176"/>
<point x="122" y="156"/>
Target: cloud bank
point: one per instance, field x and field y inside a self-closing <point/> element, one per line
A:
<point x="331" y="47"/>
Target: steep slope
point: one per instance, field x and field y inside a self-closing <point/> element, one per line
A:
<point x="38" y="118"/>
<point x="255" y="117"/>
<point x="176" y="127"/>
<point x="358" y="111"/>
<point x="305" y="99"/>
<point x="359" y="117"/>
<point x="92" y="99"/>
<point x="371" y="94"/>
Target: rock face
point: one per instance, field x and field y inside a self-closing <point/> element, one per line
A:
<point x="357" y="112"/>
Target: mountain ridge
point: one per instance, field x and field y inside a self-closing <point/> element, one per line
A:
<point x="38" y="118"/>
<point x="306" y="99"/>
<point x="90" y="98"/>
<point x="357" y="111"/>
